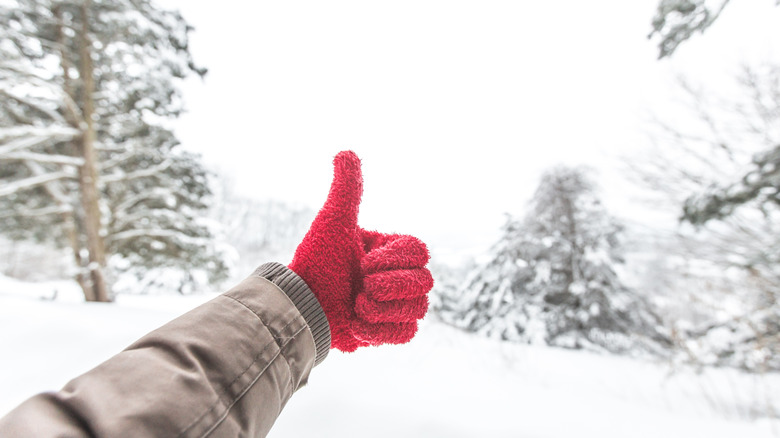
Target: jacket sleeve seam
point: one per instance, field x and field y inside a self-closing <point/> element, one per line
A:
<point x="277" y="340"/>
<point x="224" y="390"/>
<point x="228" y="406"/>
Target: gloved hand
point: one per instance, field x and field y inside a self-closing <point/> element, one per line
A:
<point x="372" y="286"/>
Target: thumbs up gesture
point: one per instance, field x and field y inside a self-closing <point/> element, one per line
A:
<point x="372" y="286"/>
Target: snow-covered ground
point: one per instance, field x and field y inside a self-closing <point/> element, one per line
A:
<point x="443" y="384"/>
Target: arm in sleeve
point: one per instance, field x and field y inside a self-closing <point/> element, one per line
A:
<point x="226" y="368"/>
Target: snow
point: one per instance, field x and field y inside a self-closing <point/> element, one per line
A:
<point x="445" y="383"/>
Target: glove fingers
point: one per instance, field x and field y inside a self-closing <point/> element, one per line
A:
<point x="383" y="333"/>
<point x="375" y="239"/>
<point x="345" y="190"/>
<point x="400" y="284"/>
<point x="408" y="310"/>
<point x="404" y="252"/>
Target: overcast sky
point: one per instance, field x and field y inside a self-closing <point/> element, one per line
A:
<point x="455" y="107"/>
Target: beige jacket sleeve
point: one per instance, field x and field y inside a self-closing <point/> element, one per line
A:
<point x="225" y="369"/>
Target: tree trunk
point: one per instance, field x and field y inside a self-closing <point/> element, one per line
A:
<point x="71" y="115"/>
<point x="88" y="186"/>
<point x="70" y="229"/>
<point x="573" y="262"/>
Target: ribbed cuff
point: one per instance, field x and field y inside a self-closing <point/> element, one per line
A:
<point x="305" y="301"/>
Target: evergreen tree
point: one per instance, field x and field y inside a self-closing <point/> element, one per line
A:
<point x="552" y="278"/>
<point x="88" y="161"/>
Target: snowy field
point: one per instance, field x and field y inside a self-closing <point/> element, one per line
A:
<point x="443" y="384"/>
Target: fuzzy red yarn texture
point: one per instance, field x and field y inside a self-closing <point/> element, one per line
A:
<point x="372" y="286"/>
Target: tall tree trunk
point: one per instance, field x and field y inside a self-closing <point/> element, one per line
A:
<point x="73" y="239"/>
<point x="90" y="196"/>
<point x="73" y="118"/>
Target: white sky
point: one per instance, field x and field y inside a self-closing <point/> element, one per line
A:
<point x="455" y="107"/>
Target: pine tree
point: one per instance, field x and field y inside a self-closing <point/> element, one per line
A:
<point x="87" y="159"/>
<point x="552" y="278"/>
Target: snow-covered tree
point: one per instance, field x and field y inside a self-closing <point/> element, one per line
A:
<point x="552" y="278"/>
<point x="713" y="164"/>
<point x="754" y="336"/>
<point x="88" y="161"/>
<point x="676" y="21"/>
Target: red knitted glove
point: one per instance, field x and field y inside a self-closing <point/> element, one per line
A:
<point x="373" y="287"/>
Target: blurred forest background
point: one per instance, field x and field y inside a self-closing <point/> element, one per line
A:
<point x="95" y="187"/>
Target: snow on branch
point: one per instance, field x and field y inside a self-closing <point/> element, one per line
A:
<point x="54" y="115"/>
<point x="57" y="209"/>
<point x="123" y="219"/>
<point x="133" y="200"/>
<point x="159" y="233"/>
<point x="154" y="170"/>
<point x="44" y="158"/>
<point x="38" y="131"/>
<point x="24" y="73"/>
<point x="54" y="189"/>
<point x="33" y="181"/>
<point x="677" y="20"/>
<point x="25" y="137"/>
<point x="116" y="160"/>
<point x="22" y="143"/>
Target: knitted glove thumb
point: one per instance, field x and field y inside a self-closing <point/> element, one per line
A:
<point x="372" y="286"/>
